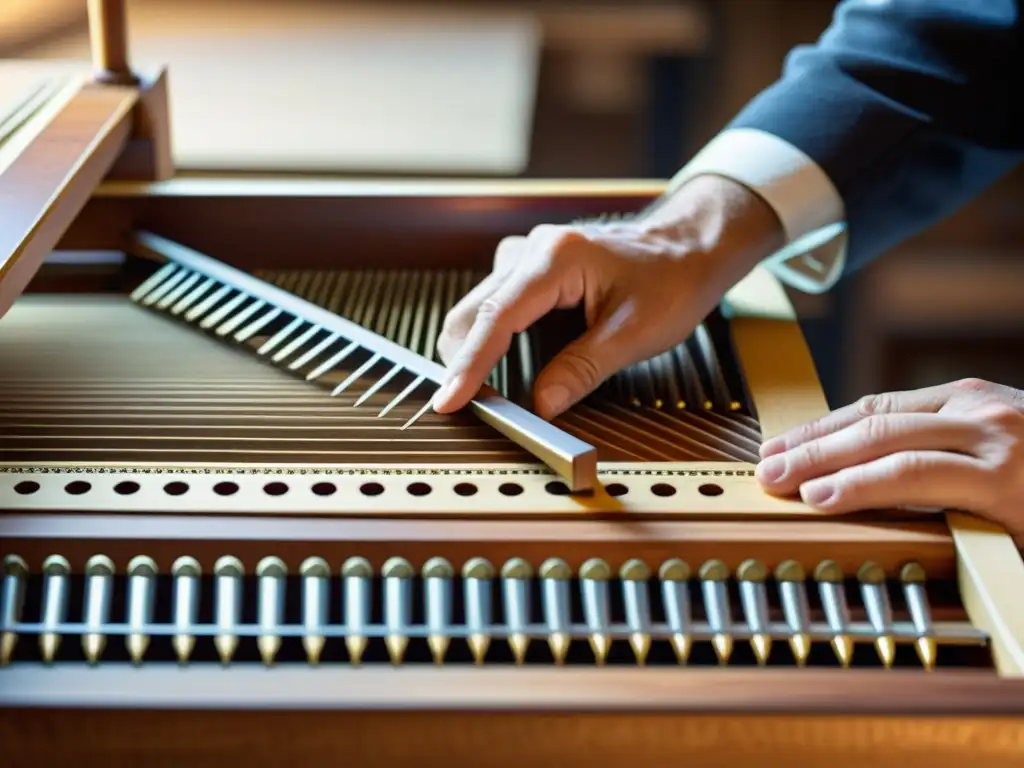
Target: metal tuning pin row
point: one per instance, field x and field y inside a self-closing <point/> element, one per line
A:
<point x="673" y="604"/>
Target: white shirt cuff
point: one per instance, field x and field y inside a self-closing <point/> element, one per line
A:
<point x="803" y="197"/>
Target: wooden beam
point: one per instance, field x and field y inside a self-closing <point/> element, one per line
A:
<point x="50" y="178"/>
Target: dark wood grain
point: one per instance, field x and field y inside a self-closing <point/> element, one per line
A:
<point x="813" y="719"/>
<point x="372" y="222"/>
<point x="208" y="537"/>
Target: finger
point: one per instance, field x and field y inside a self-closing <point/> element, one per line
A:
<point x="508" y="254"/>
<point x="516" y="305"/>
<point x="907" y="479"/>
<point x="928" y="400"/>
<point x="580" y="367"/>
<point x="866" y="440"/>
<point x="460" y="318"/>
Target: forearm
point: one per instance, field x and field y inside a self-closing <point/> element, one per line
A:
<point x="900" y="114"/>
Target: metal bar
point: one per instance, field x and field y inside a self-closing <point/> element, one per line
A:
<point x="569" y="457"/>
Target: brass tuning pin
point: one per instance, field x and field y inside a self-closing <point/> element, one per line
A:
<point x="752" y="575"/>
<point x="142" y="571"/>
<point x="477" y="575"/>
<point x="876" y="603"/>
<point x="555" y="575"/>
<point x="675" y="594"/>
<point x="634" y="575"/>
<point x="714" y="575"/>
<point x="15" y="575"/>
<point x="594" y="576"/>
<point x="914" y="579"/>
<point x="357" y="580"/>
<point x="437" y="580"/>
<point x="316" y="600"/>
<point x="271" y="577"/>
<point x="830" y="580"/>
<point x="228" y="572"/>
<point x="99" y="578"/>
<point x="796" y="608"/>
<point x="397" y="574"/>
<point x="515" y="577"/>
<point x="56" y="571"/>
<point x="185" y="572"/>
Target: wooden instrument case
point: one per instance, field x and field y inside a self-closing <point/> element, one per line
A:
<point x="125" y="433"/>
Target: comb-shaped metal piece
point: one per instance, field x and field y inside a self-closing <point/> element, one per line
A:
<point x="569" y="457"/>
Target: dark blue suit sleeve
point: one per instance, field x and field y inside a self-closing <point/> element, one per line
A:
<point x="912" y="108"/>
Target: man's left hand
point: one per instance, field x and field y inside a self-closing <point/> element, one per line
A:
<point x="954" y="446"/>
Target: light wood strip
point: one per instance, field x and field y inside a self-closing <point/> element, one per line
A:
<point x="48" y="183"/>
<point x="775" y="359"/>
<point x="991" y="573"/>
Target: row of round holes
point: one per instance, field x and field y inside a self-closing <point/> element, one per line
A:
<point x="178" y="488"/>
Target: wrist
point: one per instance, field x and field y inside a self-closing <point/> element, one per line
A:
<point x="718" y="219"/>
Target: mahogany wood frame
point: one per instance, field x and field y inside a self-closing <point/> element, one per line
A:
<point x="639" y="715"/>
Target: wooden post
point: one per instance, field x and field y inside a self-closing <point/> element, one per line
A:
<point x="108" y="39"/>
<point x="147" y="156"/>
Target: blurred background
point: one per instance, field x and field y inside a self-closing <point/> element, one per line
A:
<point x="551" y="89"/>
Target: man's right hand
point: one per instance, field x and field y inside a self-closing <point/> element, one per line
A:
<point x="644" y="284"/>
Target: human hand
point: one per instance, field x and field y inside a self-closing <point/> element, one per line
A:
<point x="955" y="446"/>
<point x="644" y="286"/>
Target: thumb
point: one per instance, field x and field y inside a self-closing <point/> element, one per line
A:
<point x="583" y="365"/>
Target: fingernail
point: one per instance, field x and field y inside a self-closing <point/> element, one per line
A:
<point x="553" y="400"/>
<point x="817" y="494"/>
<point x="772" y="447"/>
<point x="771" y="470"/>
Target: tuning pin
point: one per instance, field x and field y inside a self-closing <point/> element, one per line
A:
<point x="397" y="574"/>
<point x="234" y="322"/>
<point x="228" y="572"/>
<point x="280" y="337"/>
<point x="437" y="575"/>
<point x="99" y="577"/>
<point x="271" y="575"/>
<point x="315" y="351"/>
<point x="378" y="385"/>
<point x="333" y="361"/>
<point x="357" y="580"/>
<point x="56" y="571"/>
<point x="15" y="575"/>
<point x="914" y="580"/>
<point x="752" y="575"/>
<point x="357" y="374"/>
<point x="142" y="572"/>
<point x="186" y="572"/>
<point x="830" y="580"/>
<point x="594" y="576"/>
<point x="714" y="575"/>
<point x="297" y="343"/>
<point x="555" y="575"/>
<point x="795" y="608"/>
<point x="216" y="317"/>
<point x="634" y="575"/>
<point x="316" y="601"/>
<point x="193" y="296"/>
<point x="675" y="594"/>
<point x="515" y="577"/>
<point x="876" y="603"/>
<point x="477" y="575"/>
